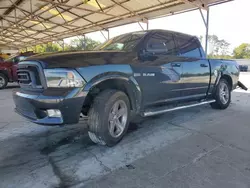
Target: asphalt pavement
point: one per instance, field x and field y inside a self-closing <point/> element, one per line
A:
<point x="196" y="147"/>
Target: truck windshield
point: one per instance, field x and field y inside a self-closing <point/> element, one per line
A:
<point x="122" y="43"/>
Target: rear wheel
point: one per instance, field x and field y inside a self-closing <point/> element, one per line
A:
<point x="3" y="81"/>
<point x="222" y="95"/>
<point x="108" y="118"/>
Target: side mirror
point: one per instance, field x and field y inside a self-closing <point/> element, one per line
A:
<point x="146" y="55"/>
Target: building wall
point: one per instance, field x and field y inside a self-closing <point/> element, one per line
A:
<point x="243" y="61"/>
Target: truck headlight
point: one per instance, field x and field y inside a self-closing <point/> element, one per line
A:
<point x="63" y="78"/>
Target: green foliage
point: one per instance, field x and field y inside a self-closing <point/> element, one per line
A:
<point x="210" y="56"/>
<point x="82" y="43"/>
<point x="218" y="47"/>
<point x="50" y="47"/>
<point x="79" y="43"/>
<point x="242" y="51"/>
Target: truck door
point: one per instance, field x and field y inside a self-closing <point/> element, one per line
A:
<point x="195" y="77"/>
<point x="159" y="73"/>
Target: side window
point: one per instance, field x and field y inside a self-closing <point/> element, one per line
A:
<point x="161" y="43"/>
<point x="188" y="46"/>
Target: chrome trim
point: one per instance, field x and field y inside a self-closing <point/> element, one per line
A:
<point x="28" y="96"/>
<point x="151" y="113"/>
<point x="25" y="74"/>
<point x="25" y="64"/>
<point x="191" y="88"/>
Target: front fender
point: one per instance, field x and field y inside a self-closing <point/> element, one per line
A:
<point x="132" y="87"/>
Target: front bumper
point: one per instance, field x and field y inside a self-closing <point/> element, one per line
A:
<point x="34" y="105"/>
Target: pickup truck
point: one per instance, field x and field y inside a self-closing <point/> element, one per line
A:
<point x="141" y="73"/>
<point x="8" y="68"/>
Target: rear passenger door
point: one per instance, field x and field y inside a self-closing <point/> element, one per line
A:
<point x="195" y="77"/>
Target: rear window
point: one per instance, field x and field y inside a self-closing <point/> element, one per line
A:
<point x="188" y="46"/>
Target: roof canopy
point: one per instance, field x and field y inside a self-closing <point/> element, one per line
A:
<point x="30" y="22"/>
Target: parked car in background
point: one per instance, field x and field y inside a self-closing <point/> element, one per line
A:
<point x="243" y="68"/>
<point x="8" y="68"/>
<point x="141" y="73"/>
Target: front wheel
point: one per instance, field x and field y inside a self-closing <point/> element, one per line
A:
<point x="108" y="118"/>
<point x="222" y="95"/>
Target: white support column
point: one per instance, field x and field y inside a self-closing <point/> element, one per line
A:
<point x="108" y="34"/>
<point x="206" y="23"/>
<point x="207" y="31"/>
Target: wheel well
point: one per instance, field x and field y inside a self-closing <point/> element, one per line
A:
<point x="228" y="79"/>
<point x="120" y="85"/>
<point x="5" y="74"/>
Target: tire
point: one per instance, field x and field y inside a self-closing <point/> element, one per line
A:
<point x="3" y="81"/>
<point x="222" y="100"/>
<point x="103" y="118"/>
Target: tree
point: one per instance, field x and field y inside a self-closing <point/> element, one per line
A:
<point x="242" y="51"/>
<point x="200" y="39"/>
<point x="217" y="46"/>
<point x="79" y="43"/>
<point x="82" y="43"/>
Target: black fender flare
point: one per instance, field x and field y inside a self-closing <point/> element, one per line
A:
<point x="219" y="76"/>
<point x="132" y="87"/>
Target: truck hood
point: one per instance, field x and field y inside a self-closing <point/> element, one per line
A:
<point x="81" y="58"/>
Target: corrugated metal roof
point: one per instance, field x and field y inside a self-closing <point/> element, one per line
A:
<point x="29" y="22"/>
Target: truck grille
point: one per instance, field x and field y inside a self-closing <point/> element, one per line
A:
<point x="29" y="77"/>
<point x="23" y="77"/>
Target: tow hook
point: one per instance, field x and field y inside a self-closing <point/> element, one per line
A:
<point x="242" y="86"/>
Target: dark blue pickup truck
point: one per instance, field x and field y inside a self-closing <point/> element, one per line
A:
<point x="141" y="73"/>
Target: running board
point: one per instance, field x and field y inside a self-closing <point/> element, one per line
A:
<point x="161" y="111"/>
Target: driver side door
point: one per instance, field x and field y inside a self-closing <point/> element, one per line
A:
<point x="159" y="69"/>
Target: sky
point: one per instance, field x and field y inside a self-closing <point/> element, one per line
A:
<point x="229" y="21"/>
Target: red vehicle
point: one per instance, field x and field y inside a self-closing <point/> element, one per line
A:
<point x="8" y="68"/>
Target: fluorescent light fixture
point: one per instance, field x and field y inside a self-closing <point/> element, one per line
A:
<point x="93" y="3"/>
<point x="57" y="13"/>
<point x="39" y="23"/>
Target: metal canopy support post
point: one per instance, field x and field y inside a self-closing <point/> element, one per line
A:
<point x="63" y="45"/>
<point x="106" y="38"/>
<point x="103" y="35"/>
<point x="144" y="20"/>
<point x="207" y="30"/>
<point x="206" y="23"/>
<point x="84" y="42"/>
<point x="140" y="26"/>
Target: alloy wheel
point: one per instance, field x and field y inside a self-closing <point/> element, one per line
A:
<point x="118" y="118"/>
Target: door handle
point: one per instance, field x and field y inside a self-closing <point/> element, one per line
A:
<point x="203" y="65"/>
<point x="175" y="64"/>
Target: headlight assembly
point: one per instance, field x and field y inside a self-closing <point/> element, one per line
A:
<point x="63" y="78"/>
